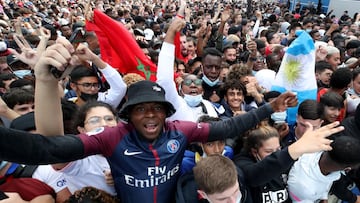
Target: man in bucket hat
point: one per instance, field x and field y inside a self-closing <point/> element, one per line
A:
<point x="144" y="154"/>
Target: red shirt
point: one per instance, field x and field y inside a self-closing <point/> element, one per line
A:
<point x="28" y="188"/>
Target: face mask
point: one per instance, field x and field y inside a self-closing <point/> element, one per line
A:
<point x="3" y="164"/>
<point x="88" y="97"/>
<point x="279" y="117"/>
<point x="22" y="73"/>
<point x="308" y="30"/>
<point x="238" y="198"/>
<point x="192" y="100"/>
<point x="209" y="82"/>
<point x="230" y="62"/>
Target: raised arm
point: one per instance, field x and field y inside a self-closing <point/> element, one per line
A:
<point x="6" y="112"/>
<point x="260" y="172"/>
<point x="47" y="97"/>
<point x="29" y="55"/>
<point x="237" y="125"/>
<point x="34" y="149"/>
<point x="117" y="86"/>
<point x="165" y="71"/>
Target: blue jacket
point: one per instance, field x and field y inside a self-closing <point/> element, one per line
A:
<point x="188" y="161"/>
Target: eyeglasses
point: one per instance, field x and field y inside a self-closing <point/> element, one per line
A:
<point x="188" y="82"/>
<point x="88" y="85"/>
<point x="96" y="120"/>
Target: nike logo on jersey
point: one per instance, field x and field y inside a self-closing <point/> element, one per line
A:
<point x="127" y="153"/>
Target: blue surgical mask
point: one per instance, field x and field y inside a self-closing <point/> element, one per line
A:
<point x="279" y="117"/>
<point x="209" y="82"/>
<point x="3" y="164"/>
<point x="192" y="100"/>
<point x="308" y="30"/>
<point x="22" y="73"/>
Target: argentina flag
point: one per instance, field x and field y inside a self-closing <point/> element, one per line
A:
<point x="297" y="72"/>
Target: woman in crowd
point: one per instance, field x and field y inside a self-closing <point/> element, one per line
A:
<point x="265" y="165"/>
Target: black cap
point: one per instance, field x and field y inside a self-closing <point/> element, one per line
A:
<point x="143" y="92"/>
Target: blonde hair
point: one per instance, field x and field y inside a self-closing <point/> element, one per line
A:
<point x="257" y="136"/>
<point x="132" y="78"/>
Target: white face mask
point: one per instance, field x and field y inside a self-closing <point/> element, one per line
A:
<point x="22" y="73"/>
<point x="192" y="100"/>
<point x="3" y="164"/>
<point x="209" y="82"/>
<point x="279" y="117"/>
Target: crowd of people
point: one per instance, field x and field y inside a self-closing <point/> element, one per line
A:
<point x="207" y="126"/>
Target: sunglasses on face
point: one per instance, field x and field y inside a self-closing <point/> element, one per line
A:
<point x="188" y="82"/>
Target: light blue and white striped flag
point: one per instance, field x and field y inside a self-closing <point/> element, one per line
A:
<point x="297" y="72"/>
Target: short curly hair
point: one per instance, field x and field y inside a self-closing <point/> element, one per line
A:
<point x="91" y="195"/>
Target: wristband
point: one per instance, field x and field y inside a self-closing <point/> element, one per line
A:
<point x="180" y="16"/>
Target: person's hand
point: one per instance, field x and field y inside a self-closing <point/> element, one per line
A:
<point x="201" y="32"/>
<point x="283" y="101"/>
<point x="182" y="6"/>
<point x="84" y="54"/>
<point x="13" y="197"/>
<point x="187" y="11"/>
<point x="45" y="33"/>
<point x="320" y="53"/>
<point x="258" y="15"/>
<point x="225" y="15"/>
<point x="108" y="178"/>
<point x="251" y="88"/>
<point x="314" y="140"/>
<point x="58" y="55"/>
<point x="218" y="10"/>
<point x="251" y="47"/>
<point x="17" y="25"/>
<point x="282" y="128"/>
<point x="208" y="32"/>
<point x="28" y="55"/>
<point x="177" y="24"/>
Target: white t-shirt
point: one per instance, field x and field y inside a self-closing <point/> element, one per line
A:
<point x="87" y="172"/>
<point x="306" y="183"/>
<point x="48" y="175"/>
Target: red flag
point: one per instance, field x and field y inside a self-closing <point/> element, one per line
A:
<point x="118" y="47"/>
<point x="177" y="46"/>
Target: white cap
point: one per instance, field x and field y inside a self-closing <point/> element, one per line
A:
<point x="265" y="78"/>
<point x="149" y="34"/>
